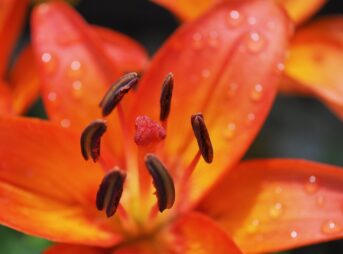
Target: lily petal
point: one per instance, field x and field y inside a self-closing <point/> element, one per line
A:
<point x="5" y="98"/>
<point x="25" y="82"/>
<point x="228" y="71"/>
<point x="74" y="249"/>
<point x="74" y="68"/>
<point x="272" y="205"/>
<point x="186" y="10"/>
<point x="316" y="58"/>
<point x="12" y="14"/>
<point x="127" y="54"/>
<point x="46" y="188"/>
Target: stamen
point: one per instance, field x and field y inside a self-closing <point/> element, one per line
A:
<point x="162" y="181"/>
<point x="148" y="132"/>
<point x="166" y="96"/>
<point x="91" y="139"/>
<point x="202" y="136"/>
<point x="110" y="191"/>
<point x="117" y="91"/>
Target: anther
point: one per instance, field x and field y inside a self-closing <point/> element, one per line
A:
<point x="162" y="181"/>
<point x="91" y="139"/>
<point x="117" y="91"/>
<point x="166" y="96"/>
<point x="202" y="136"/>
<point x="110" y="191"/>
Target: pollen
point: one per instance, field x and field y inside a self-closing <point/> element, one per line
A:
<point x="148" y="132"/>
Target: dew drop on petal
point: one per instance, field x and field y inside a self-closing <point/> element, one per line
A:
<point x="230" y="130"/>
<point x="311" y="185"/>
<point x="294" y="234"/>
<point x="46" y="57"/>
<point x="52" y="96"/>
<point x="255" y="42"/>
<point x="276" y="210"/>
<point x="75" y="65"/>
<point x="256" y="93"/>
<point x="77" y="85"/>
<point x="250" y="118"/>
<point x="330" y="227"/>
<point x="234" y="18"/>
<point x="65" y="123"/>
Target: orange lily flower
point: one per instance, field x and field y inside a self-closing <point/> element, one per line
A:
<point x="315" y="52"/>
<point x="48" y="190"/>
<point x="24" y="82"/>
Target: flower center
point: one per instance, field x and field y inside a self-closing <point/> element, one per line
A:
<point x="147" y="167"/>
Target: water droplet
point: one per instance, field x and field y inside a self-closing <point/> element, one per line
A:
<point x="75" y="65"/>
<point x="230" y="131"/>
<point x="250" y="118"/>
<point x="213" y="39"/>
<point x="311" y="185"/>
<point x="253" y="226"/>
<point x="197" y="41"/>
<point x="52" y="96"/>
<point x="255" y="42"/>
<point x="294" y="234"/>
<point x="46" y="57"/>
<point x="233" y="87"/>
<point x="280" y="67"/>
<point x="65" y="123"/>
<point x="331" y="227"/>
<point x="256" y="93"/>
<point x="49" y="61"/>
<point x="252" y="20"/>
<point x="77" y="85"/>
<point x="276" y="210"/>
<point x="234" y="18"/>
<point x="205" y="73"/>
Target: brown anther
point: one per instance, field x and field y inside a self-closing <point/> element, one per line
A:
<point x="117" y="91"/>
<point x="202" y="136"/>
<point x="91" y="139"/>
<point x="162" y="181"/>
<point x="166" y="96"/>
<point x="110" y="191"/>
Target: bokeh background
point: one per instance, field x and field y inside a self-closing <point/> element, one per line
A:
<point x="297" y="126"/>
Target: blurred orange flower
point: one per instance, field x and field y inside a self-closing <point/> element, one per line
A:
<point x="227" y="72"/>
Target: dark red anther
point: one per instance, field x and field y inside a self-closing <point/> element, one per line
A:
<point x="166" y="96"/>
<point x="202" y="136"/>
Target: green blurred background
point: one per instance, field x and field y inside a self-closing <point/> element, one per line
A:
<point x="296" y="127"/>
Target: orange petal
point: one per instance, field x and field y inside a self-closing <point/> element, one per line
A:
<point x="25" y="82"/>
<point x="272" y="205"/>
<point x="299" y="11"/>
<point x="127" y="54"/>
<point x="228" y="71"/>
<point x="12" y="15"/>
<point x="316" y="58"/>
<point x="72" y="63"/>
<point x="46" y="188"/>
<point x="187" y="9"/>
<point x="5" y="98"/>
<point x="74" y="249"/>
